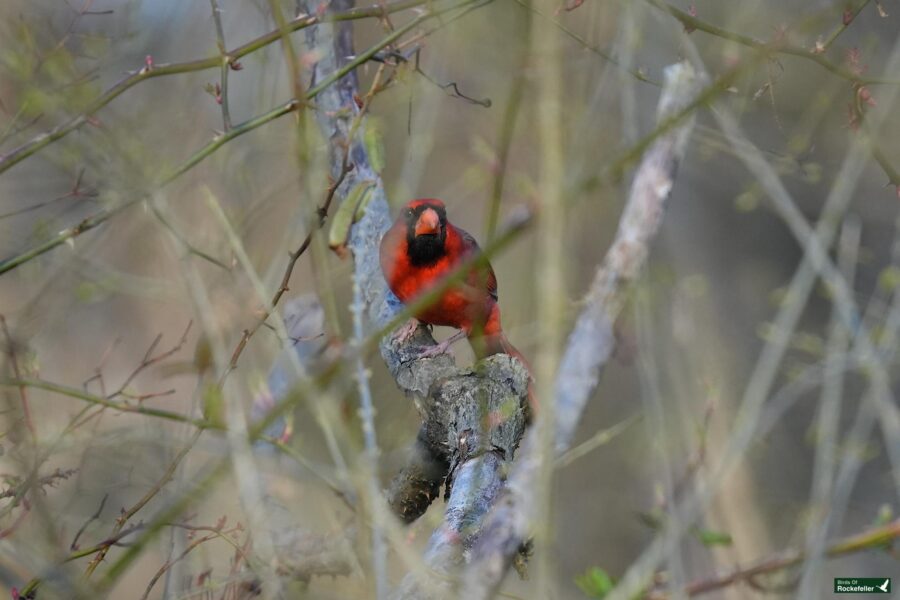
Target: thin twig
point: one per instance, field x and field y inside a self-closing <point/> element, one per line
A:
<point x="827" y="421"/>
<point x="847" y="19"/>
<point x="11" y="352"/>
<point x="147" y="497"/>
<point x="158" y="70"/>
<point x="636" y="73"/>
<point x="219" y="141"/>
<point x="168" y="564"/>
<point x="293" y="257"/>
<point x="105" y="402"/>
<point x="876" y="538"/>
<point x="776" y="46"/>
<point x="222" y="95"/>
<point x="74" y="545"/>
<point x="150" y="359"/>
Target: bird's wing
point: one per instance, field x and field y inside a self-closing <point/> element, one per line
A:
<point x="479" y="278"/>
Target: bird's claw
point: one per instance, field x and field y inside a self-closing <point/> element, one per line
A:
<point x="406" y="331"/>
<point x="436" y="350"/>
<point x="441" y="347"/>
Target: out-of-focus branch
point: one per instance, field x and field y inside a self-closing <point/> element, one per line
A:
<point x="104" y="215"/>
<point x="141" y="409"/>
<point x="779" y="47"/>
<point x="304" y="556"/>
<point x="14" y="361"/>
<point x="159" y="70"/>
<point x="321" y="214"/>
<point x="816" y="263"/>
<point x="872" y="539"/>
<point x="222" y="92"/>
<point x="592" y="341"/>
<point x="219" y="141"/>
<point x="636" y="73"/>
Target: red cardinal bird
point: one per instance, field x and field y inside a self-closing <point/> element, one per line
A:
<point x="419" y="250"/>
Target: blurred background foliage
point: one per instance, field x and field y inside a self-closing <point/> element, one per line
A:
<point x="689" y="340"/>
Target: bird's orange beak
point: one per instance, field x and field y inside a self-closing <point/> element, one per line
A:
<point x="429" y="223"/>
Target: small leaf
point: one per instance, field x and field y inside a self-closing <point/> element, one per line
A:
<point x="654" y="519"/>
<point x="363" y="203"/>
<point x="747" y="201"/>
<point x="86" y="291"/>
<point x="374" y="147"/>
<point x="889" y="278"/>
<point x="708" y="537"/>
<point x="885" y="515"/>
<point x="595" y="583"/>
<point x="213" y="405"/>
<point x="812" y="172"/>
<point x="354" y="204"/>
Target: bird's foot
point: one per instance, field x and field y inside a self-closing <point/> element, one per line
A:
<point x="442" y="347"/>
<point x="436" y="350"/>
<point x="406" y="331"/>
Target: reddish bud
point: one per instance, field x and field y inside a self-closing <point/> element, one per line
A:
<point x="865" y="96"/>
<point x="235" y="65"/>
<point x="14" y="593"/>
<point x="847" y="17"/>
<point x="358" y="100"/>
<point x="148" y="61"/>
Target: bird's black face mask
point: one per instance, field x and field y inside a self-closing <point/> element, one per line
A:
<point x="426" y="232"/>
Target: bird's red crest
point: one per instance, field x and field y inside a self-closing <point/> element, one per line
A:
<point x="434" y="202"/>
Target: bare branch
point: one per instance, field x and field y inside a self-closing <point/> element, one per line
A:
<point x="13" y="157"/>
<point x="591" y="343"/>
<point x="875" y="538"/>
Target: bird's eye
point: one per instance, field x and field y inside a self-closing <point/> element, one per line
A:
<point x="409" y="212"/>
